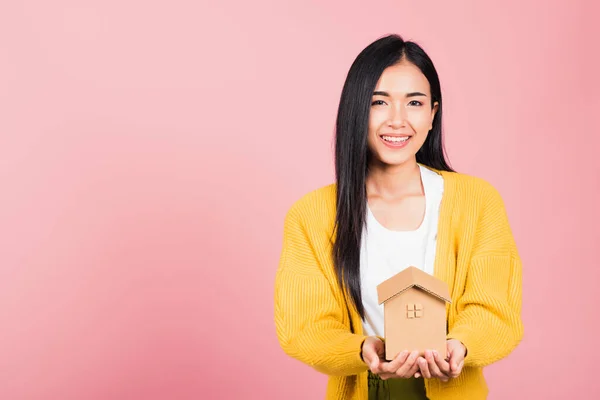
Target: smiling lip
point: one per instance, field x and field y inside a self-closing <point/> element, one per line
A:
<point x="394" y="141"/>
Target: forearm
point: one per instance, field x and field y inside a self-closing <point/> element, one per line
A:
<point x="488" y="321"/>
<point x="487" y="342"/>
<point x="330" y="351"/>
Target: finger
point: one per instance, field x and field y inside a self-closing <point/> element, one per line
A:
<point x="409" y="367"/>
<point x="437" y="371"/>
<point x="443" y="365"/>
<point x="379" y="349"/>
<point x="454" y="373"/>
<point x="386" y="376"/>
<point x="382" y="368"/>
<point x="449" y="354"/>
<point x="370" y="357"/>
<point x="413" y="370"/>
<point x="393" y="365"/>
<point x="459" y="368"/>
<point x="424" y="367"/>
<point x="455" y="359"/>
<point x="375" y="363"/>
<point x="434" y="370"/>
<point x="379" y="367"/>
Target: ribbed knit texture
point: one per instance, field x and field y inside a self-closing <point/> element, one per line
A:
<point x="476" y="256"/>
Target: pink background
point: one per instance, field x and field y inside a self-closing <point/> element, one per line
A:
<point x="149" y="151"/>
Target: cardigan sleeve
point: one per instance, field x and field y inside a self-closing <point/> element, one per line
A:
<point x="309" y="314"/>
<point x="488" y="320"/>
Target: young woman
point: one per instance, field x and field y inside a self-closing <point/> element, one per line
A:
<point x="396" y="203"/>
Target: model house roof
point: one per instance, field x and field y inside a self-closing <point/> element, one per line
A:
<point x="412" y="277"/>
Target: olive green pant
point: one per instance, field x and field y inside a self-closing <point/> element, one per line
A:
<point x="396" y="389"/>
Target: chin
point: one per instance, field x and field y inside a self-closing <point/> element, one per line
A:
<point x="399" y="158"/>
<point x="396" y="161"/>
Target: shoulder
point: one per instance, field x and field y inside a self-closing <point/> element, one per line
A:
<point x="477" y="206"/>
<point x="469" y="188"/>
<point x="316" y="205"/>
<point x="480" y="212"/>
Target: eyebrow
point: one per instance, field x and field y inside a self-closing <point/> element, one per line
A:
<point x="411" y="94"/>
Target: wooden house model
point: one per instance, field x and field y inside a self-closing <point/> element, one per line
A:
<point x="414" y="312"/>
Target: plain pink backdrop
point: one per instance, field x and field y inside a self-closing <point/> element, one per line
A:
<point x="149" y="151"/>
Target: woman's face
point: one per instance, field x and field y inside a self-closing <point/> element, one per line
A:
<point x="401" y="114"/>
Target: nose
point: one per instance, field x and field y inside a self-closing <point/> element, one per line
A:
<point x="397" y="117"/>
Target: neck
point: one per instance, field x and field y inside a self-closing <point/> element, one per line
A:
<point x="394" y="181"/>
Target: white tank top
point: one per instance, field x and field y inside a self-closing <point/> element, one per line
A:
<point x="384" y="252"/>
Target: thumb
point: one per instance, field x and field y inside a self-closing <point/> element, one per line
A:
<point x="450" y="357"/>
<point x="371" y="357"/>
<point x="448" y="351"/>
<point x="455" y="354"/>
<point x="370" y="354"/>
<point x="374" y="363"/>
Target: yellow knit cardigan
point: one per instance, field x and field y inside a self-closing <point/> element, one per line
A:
<point x="476" y="256"/>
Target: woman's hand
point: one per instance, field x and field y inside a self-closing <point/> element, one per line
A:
<point x="373" y="354"/>
<point x="456" y="355"/>
<point x="403" y="366"/>
<point x="433" y="366"/>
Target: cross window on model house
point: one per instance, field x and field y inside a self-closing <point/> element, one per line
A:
<point x="414" y="310"/>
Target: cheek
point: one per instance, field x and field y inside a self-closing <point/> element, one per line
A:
<point x="421" y="121"/>
<point x="376" y="119"/>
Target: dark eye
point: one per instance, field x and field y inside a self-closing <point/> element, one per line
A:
<point x="415" y="103"/>
<point x="378" y="103"/>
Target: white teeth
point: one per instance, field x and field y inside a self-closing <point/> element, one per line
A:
<point x="395" y="139"/>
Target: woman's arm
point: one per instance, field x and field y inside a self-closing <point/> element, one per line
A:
<point x="309" y="313"/>
<point x="488" y="320"/>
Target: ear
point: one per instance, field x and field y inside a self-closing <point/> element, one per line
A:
<point x="434" y="110"/>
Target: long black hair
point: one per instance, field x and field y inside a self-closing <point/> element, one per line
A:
<point x="352" y="154"/>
